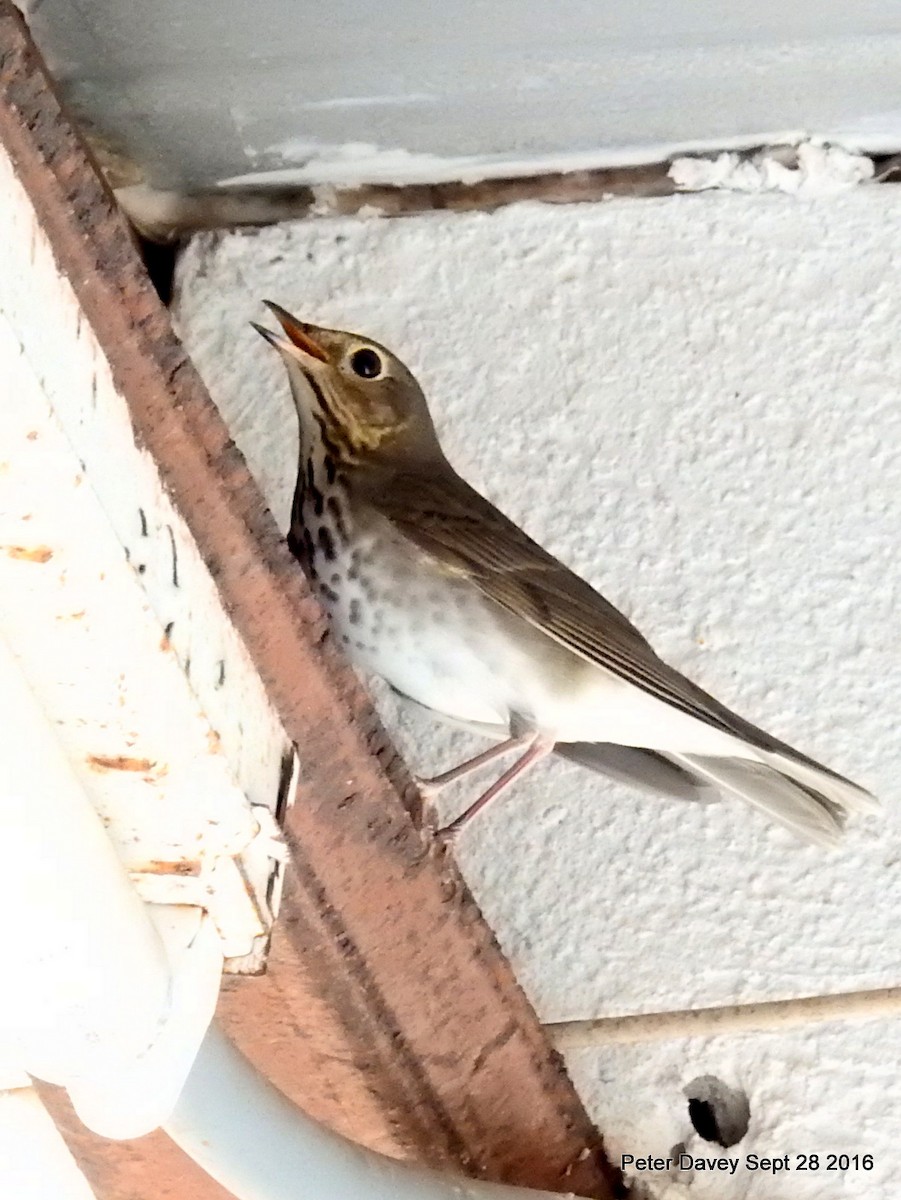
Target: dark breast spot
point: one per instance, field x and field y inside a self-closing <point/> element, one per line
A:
<point x="318" y="500"/>
<point x="330" y="468"/>
<point x="326" y="542"/>
<point x="297" y="546"/>
<point x="354" y="570"/>
<point x="337" y="514"/>
<point x="355" y="612"/>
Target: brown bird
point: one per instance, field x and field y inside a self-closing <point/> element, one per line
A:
<point x="428" y="585"/>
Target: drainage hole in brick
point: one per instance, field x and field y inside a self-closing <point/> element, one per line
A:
<point x="718" y="1113"/>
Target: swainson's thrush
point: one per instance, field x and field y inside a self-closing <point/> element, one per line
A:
<point x="428" y="585"/>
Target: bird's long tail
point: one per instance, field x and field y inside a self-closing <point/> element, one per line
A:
<point x="811" y="801"/>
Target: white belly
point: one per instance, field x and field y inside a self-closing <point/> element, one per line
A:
<point x="439" y="642"/>
<point x="431" y="641"/>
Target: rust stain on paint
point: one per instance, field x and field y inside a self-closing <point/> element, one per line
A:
<point x="181" y="867"/>
<point x="38" y="554"/>
<point x="120" y="762"/>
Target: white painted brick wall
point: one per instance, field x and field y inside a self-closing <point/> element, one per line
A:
<point x="694" y="402"/>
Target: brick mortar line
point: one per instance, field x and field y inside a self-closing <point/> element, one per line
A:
<point x="759" y="1016"/>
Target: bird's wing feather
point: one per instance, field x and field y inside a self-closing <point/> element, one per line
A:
<point x="456" y="526"/>
<point x="646" y="769"/>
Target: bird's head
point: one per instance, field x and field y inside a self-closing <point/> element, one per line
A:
<point x="366" y="402"/>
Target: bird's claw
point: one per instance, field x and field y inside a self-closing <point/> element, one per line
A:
<point x="428" y="790"/>
<point x="445" y="837"/>
<point x="428" y="794"/>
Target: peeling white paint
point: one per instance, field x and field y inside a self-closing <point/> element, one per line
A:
<point x="91" y="646"/>
<point x="808" y="170"/>
<point x="352" y="164"/>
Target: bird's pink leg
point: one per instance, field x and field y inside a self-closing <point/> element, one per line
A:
<point x="539" y="747"/>
<point x="437" y="782"/>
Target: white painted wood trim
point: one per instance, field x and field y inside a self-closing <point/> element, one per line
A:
<point x="117" y="624"/>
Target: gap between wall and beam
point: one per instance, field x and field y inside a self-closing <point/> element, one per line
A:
<point x="162" y="216"/>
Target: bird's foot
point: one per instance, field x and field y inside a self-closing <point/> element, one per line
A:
<point x="428" y="790"/>
<point x="446" y="837"/>
<point x="430" y="815"/>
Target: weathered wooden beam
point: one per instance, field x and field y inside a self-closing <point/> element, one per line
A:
<point x="389" y="1010"/>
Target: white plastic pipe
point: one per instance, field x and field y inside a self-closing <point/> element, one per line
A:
<point x="250" y="1138"/>
<point x="98" y="995"/>
<point x="35" y="1162"/>
<point x="86" y="979"/>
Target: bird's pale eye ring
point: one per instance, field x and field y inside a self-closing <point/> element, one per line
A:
<point x="366" y="362"/>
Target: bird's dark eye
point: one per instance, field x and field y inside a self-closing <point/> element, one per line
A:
<point x="366" y="363"/>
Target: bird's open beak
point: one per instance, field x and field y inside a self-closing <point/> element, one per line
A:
<point x="297" y="335"/>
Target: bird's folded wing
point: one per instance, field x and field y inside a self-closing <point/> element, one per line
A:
<point x="456" y="526"/>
